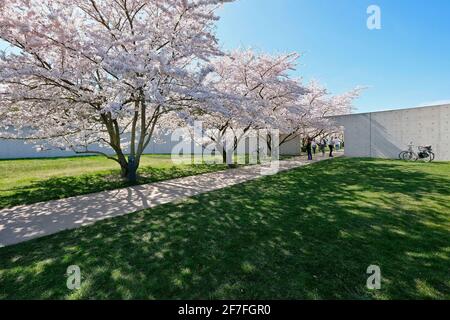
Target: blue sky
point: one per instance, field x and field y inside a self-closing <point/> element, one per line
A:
<point x="405" y="64"/>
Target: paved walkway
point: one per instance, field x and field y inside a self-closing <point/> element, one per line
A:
<point x="23" y="223"/>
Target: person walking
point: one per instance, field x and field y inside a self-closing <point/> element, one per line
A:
<point x="331" y="146"/>
<point x="338" y="144"/>
<point x="314" y="146"/>
<point x="309" y="148"/>
<point x="323" y="145"/>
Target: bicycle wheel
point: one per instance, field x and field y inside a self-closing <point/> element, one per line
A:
<point x="432" y="156"/>
<point x="410" y="156"/>
<point x="400" y="155"/>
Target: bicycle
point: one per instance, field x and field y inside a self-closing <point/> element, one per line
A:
<point x="408" y="155"/>
<point x="425" y="154"/>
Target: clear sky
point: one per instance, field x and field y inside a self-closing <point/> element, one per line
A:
<point x="405" y="64"/>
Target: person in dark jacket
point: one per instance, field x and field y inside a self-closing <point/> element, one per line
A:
<point x="314" y="146"/>
<point x="331" y="145"/>
<point x="322" y="146"/>
<point x="309" y="148"/>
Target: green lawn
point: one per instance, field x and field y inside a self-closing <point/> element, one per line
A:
<point x="34" y="180"/>
<point x="309" y="233"/>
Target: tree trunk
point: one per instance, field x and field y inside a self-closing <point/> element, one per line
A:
<point x="123" y="172"/>
<point x="227" y="158"/>
<point x="224" y="156"/>
<point x="132" y="174"/>
<point x="128" y="172"/>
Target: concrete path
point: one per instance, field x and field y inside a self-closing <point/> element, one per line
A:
<point x="23" y="223"/>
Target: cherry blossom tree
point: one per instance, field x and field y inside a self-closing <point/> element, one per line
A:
<point x="105" y="72"/>
<point x="312" y="118"/>
<point x="268" y="97"/>
<point x="253" y="86"/>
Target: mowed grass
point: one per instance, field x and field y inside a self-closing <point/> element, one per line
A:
<point x="34" y="180"/>
<point x="309" y="233"/>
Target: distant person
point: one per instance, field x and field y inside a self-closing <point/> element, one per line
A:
<point x="338" y="144"/>
<point x="314" y="146"/>
<point x="331" y="145"/>
<point x="323" y="145"/>
<point x="309" y="148"/>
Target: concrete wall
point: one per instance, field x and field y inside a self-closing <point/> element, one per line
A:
<point x="385" y="134"/>
<point x="291" y="147"/>
<point x="13" y="149"/>
<point x="379" y="134"/>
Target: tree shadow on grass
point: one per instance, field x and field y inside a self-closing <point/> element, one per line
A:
<point x="309" y="233"/>
<point x="65" y="187"/>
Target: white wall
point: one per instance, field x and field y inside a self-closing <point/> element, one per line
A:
<point x="385" y="134"/>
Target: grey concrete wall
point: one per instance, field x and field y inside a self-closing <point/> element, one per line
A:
<point x="13" y="149"/>
<point x="291" y="147"/>
<point x="385" y="134"/>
